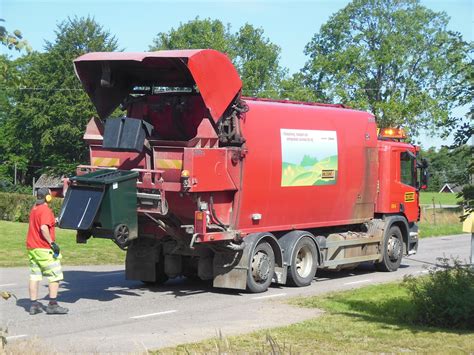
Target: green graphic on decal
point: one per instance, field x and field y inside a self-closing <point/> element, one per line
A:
<point x="309" y="157"/>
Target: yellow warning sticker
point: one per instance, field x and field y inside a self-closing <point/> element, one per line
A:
<point x="409" y="196"/>
<point x="328" y="174"/>
<point x="100" y="161"/>
<point x="168" y="163"/>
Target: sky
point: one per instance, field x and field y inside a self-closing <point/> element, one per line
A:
<point x="289" y="24"/>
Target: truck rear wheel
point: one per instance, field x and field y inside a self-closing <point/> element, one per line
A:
<point x="392" y="250"/>
<point x="304" y="262"/>
<point x="261" y="268"/>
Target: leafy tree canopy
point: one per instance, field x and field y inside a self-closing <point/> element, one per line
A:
<point x="254" y="55"/>
<point x="394" y="58"/>
<point x="13" y="40"/>
<point x="196" y="34"/>
<point x="448" y="166"/>
<point x="46" y="129"/>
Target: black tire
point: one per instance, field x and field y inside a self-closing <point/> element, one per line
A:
<point x="261" y="268"/>
<point x="121" y="234"/>
<point x="303" y="264"/>
<point x="392" y="251"/>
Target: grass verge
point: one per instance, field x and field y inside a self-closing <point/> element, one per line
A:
<point x="95" y="252"/>
<point x="436" y="222"/>
<point x="426" y="198"/>
<point x="371" y="319"/>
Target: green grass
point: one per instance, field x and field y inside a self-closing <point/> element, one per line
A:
<point x="436" y="222"/>
<point x="95" y="252"/>
<point x="426" y="198"/>
<point x="371" y="319"/>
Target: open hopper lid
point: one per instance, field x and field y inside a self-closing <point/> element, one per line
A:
<point x="108" y="77"/>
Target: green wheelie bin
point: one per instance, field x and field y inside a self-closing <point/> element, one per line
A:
<point x="102" y="204"/>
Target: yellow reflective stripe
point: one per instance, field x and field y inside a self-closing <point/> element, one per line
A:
<point x="52" y="266"/>
<point x="52" y="272"/>
<point x="102" y="161"/>
<point x="168" y="163"/>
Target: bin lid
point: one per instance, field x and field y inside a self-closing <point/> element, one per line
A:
<point x="80" y="207"/>
<point x="105" y="177"/>
<point x="108" y="77"/>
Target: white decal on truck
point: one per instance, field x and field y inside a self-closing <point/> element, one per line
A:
<point x="309" y="157"/>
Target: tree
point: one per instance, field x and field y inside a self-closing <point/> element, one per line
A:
<point x="255" y="57"/>
<point x="13" y="40"/>
<point x="45" y="125"/>
<point x="294" y="88"/>
<point x="196" y="34"/>
<point x="448" y="166"/>
<point x="8" y="79"/>
<point x="257" y="60"/>
<point x="394" y="58"/>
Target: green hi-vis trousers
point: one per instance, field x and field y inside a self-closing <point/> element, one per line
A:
<point x="42" y="263"/>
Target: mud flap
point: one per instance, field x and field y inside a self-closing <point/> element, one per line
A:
<point x="142" y="256"/>
<point x="230" y="269"/>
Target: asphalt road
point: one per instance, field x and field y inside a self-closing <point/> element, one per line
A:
<point x="110" y="314"/>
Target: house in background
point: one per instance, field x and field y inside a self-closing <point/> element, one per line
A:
<point x="451" y="188"/>
<point x="54" y="183"/>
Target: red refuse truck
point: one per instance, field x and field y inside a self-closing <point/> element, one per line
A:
<point x="196" y="180"/>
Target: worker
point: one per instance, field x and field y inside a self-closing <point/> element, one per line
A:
<point x="44" y="254"/>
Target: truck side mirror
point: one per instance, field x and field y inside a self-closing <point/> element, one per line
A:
<point x="424" y="176"/>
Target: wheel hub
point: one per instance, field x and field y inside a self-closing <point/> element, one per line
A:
<point x="304" y="262"/>
<point x="394" y="248"/>
<point x="260" y="266"/>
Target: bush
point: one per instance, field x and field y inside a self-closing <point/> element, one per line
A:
<point x="16" y="207"/>
<point x="444" y="298"/>
<point x="7" y="186"/>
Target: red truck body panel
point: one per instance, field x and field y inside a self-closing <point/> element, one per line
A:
<point x="290" y="193"/>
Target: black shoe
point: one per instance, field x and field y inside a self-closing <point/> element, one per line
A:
<point x="35" y="309"/>
<point x="56" y="309"/>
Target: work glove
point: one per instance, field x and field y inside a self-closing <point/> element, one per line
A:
<point x="55" y="249"/>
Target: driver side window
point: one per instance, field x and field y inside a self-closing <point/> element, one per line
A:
<point x="407" y="169"/>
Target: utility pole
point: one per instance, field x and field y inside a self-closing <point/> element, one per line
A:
<point x="15" y="174"/>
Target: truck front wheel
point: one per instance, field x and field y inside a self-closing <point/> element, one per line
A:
<point x="304" y="262"/>
<point x="261" y="268"/>
<point x="392" y="250"/>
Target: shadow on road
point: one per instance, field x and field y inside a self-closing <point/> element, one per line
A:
<point x="106" y="286"/>
<point x="363" y="269"/>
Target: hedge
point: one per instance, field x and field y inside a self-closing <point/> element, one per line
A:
<point x="16" y="207"/>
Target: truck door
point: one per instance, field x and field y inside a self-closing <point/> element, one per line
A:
<point x="408" y="180"/>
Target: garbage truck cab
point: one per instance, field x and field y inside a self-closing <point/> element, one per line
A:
<point x="196" y="180"/>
